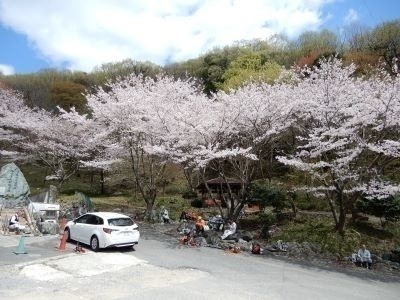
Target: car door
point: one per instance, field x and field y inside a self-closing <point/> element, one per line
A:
<point x="79" y="229"/>
<point x="93" y="227"/>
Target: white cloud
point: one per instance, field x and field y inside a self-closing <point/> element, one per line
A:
<point x="351" y="16"/>
<point x="82" y="34"/>
<point x="6" y="69"/>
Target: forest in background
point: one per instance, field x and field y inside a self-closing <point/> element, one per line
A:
<point x="221" y="68"/>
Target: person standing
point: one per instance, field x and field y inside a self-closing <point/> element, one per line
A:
<point x="82" y="210"/>
<point x="364" y="256"/>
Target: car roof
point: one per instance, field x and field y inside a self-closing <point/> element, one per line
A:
<point x="109" y="215"/>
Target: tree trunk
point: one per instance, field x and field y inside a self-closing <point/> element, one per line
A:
<point x="189" y="178"/>
<point x="334" y="214"/>
<point x="236" y="212"/>
<point x="209" y="192"/>
<point x="102" y="182"/>
<point x="149" y="209"/>
<point x="340" y="226"/>
<point x="292" y="203"/>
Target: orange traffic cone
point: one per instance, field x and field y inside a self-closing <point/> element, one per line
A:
<point x="62" y="225"/>
<point x="63" y="243"/>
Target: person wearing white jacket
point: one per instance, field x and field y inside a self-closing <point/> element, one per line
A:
<point x="364" y="256"/>
<point x="14" y="223"/>
<point x="232" y="229"/>
<point x="164" y="215"/>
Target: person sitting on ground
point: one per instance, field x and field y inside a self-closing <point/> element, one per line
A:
<point x="200" y="224"/>
<point x="364" y="256"/>
<point x="188" y="216"/>
<point x="216" y="222"/>
<point x="184" y="216"/>
<point x="14" y="223"/>
<point x="187" y="238"/>
<point x="231" y="230"/>
<point x="164" y="215"/>
<point x="256" y="249"/>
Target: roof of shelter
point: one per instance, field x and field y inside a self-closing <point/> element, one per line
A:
<point x="218" y="181"/>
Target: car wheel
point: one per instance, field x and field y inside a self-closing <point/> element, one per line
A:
<point x="94" y="243"/>
<point x="67" y="235"/>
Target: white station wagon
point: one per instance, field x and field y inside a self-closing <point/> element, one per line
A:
<point x="103" y="230"/>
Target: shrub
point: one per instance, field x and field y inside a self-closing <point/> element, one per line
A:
<point x="320" y="230"/>
<point x="198" y="203"/>
<point x="388" y="208"/>
<point x="305" y="201"/>
<point x="267" y="195"/>
<point x="267" y="219"/>
<point x="173" y="189"/>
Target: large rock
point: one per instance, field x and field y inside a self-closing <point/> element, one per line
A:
<point x="245" y="235"/>
<point x="14" y="189"/>
<point x="226" y="245"/>
<point x="48" y="228"/>
<point x="213" y="238"/>
<point x="393" y="256"/>
<point x="200" y="241"/>
<point x="232" y="237"/>
<point x="244" y="245"/>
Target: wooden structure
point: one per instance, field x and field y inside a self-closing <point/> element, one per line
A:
<point x="218" y="187"/>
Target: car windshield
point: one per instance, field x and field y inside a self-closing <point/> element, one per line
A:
<point x="120" y="222"/>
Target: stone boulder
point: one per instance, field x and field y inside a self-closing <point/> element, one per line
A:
<point x="48" y="228"/>
<point x="213" y="238"/>
<point x="200" y="241"/>
<point x="245" y="235"/>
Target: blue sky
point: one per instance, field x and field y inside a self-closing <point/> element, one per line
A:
<point x="80" y="35"/>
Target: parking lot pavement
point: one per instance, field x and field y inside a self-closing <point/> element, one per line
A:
<point x="36" y="247"/>
<point x="160" y="268"/>
<point x="75" y="265"/>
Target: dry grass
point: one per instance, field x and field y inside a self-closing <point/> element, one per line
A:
<point x="105" y="203"/>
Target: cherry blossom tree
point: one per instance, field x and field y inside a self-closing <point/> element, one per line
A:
<point x="50" y="138"/>
<point x="225" y="135"/>
<point x="351" y="134"/>
<point x="132" y="112"/>
<point x="96" y="152"/>
<point x="9" y="100"/>
<point x="348" y="132"/>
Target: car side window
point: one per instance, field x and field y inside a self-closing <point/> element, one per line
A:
<point x="99" y="221"/>
<point x="83" y="219"/>
<point x="92" y="220"/>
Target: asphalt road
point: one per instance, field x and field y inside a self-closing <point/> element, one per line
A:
<point x="160" y="268"/>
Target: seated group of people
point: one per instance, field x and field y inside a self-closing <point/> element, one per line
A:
<point x="202" y="226"/>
